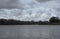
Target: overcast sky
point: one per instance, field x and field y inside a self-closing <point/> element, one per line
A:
<point x="27" y="10"/>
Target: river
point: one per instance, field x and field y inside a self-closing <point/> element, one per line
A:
<point x="29" y="31"/>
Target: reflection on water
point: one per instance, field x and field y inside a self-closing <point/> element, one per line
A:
<point x="30" y="32"/>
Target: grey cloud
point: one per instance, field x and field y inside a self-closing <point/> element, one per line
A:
<point x="31" y="8"/>
<point x="43" y="0"/>
<point x="58" y="9"/>
<point x="9" y="4"/>
<point x="35" y="14"/>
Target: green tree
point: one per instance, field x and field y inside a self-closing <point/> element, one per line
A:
<point x="54" y="20"/>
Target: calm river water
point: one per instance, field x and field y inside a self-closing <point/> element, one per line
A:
<point x="29" y="31"/>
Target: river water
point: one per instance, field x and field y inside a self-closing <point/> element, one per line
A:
<point x="29" y="31"/>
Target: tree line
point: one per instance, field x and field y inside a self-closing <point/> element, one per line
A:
<point x="52" y="21"/>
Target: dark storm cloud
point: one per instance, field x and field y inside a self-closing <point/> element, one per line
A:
<point x="43" y="0"/>
<point x="9" y="3"/>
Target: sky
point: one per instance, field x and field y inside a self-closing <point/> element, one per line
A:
<point x="28" y="10"/>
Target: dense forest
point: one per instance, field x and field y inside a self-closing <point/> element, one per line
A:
<point x="52" y="21"/>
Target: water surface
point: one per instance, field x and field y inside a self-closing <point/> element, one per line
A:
<point x="30" y="32"/>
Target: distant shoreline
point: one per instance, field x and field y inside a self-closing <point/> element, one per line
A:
<point x="52" y="21"/>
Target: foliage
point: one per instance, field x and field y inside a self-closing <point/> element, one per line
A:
<point x="52" y="20"/>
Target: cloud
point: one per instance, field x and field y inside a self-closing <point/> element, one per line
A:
<point x="27" y="10"/>
<point x="35" y="14"/>
<point x="43" y="0"/>
<point x="9" y="4"/>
